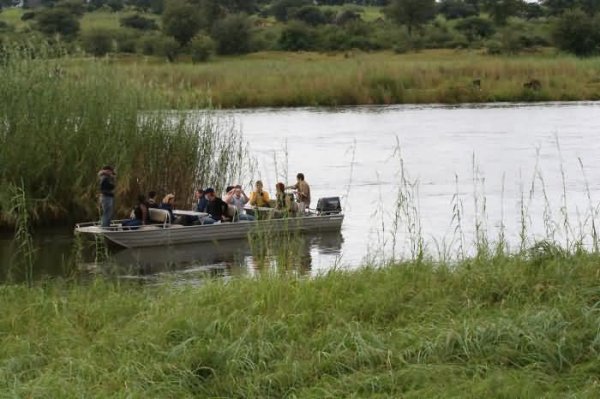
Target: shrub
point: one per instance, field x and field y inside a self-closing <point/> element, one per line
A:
<point x="577" y="33"/>
<point x="167" y="47"/>
<point x="98" y="41"/>
<point x="181" y="20"/>
<point x="57" y="20"/>
<point x="139" y="22"/>
<point x="475" y="28"/>
<point x="310" y="15"/>
<point x="201" y="48"/>
<point x="126" y="43"/>
<point x="232" y="34"/>
<point x="297" y="36"/>
<point x="147" y="44"/>
<point x="27" y="15"/>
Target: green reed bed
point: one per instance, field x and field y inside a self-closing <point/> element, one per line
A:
<point x="301" y="79"/>
<point x="503" y="326"/>
<point x="59" y="125"/>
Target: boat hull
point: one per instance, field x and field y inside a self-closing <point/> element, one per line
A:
<point x="153" y="236"/>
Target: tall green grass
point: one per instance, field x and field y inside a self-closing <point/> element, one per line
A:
<point x="354" y="78"/>
<point x="59" y="125"/>
<point x="509" y="326"/>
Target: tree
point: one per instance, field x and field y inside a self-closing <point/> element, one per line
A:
<point x="475" y="28"/>
<point x="577" y="33"/>
<point x="311" y="15"/>
<point x="56" y="20"/>
<point x="501" y="10"/>
<point x="98" y="42"/>
<point x="232" y="34"/>
<point x="297" y="36"/>
<point x="282" y="10"/>
<point x="201" y="48"/>
<point x="181" y="20"/>
<point x="137" y="21"/>
<point x="412" y="13"/>
<point x="455" y="9"/>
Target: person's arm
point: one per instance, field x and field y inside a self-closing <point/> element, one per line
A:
<point x="253" y="198"/>
<point x="245" y="198"/>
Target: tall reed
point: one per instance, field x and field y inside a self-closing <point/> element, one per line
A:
<point x="59" y="125"/>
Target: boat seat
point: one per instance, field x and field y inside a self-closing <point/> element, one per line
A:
<point x="160" y="216"/>
<point x="148" y="227"/>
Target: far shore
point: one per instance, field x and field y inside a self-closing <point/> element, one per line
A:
<point x="283" y="79"/>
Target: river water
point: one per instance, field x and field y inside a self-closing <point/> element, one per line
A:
<point x="527" y="172"/>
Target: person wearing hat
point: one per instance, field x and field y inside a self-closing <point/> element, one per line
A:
<point x="107" y="193"/>
<point x="216" y="207"/>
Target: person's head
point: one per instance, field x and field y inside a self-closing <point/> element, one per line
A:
<point x="141" y="198"/>
<point x="300" y="176"/>
<point x="152" y="195"/>
<point x="107" y="170"/>
<point x="229" y="188"/>
<point x="280" y="187"/>
<point x="169" y="199"/>
<point x="210" y="194"/>
<point x="259" y="185"/>
<point x="237" y="191"/>
<point x="199" y="193"/>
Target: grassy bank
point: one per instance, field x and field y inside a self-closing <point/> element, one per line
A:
<point x="522" y="326"/>
<point x="306" y="79"/>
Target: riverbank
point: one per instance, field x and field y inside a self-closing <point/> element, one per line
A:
<point x="519" y="326"/>
<point x="272" y="79"/>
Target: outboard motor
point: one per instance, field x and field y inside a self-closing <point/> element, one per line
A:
<point x="329" y="206"/>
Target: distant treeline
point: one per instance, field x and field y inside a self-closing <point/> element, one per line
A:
<point x="201" y="28"/>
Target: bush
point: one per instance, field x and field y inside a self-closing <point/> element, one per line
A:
<point x="475" y="28"/>
<point x="139" y="22"/>
<point x="232" y="34"/>
<point x="27" y="15"/>
<point x="181" y="20"/>
<point x="310" y="15"/>
<point x="201" y="48"/>
<point x="126" y="43"/>
<point x="167" y="47"/>
<point x="147" y="44"/>
<point x="577" y="33"/>
<point x="57" y="20"/>
<point x="98" y="41"/>
<point x="297" y="36"/>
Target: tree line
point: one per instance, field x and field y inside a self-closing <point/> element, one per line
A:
<point x="201" y="28"/>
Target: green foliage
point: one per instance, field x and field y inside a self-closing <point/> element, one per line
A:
<point x="232" y="34"/>
<point x="283" y="10"/>
<point x="57" y="20"/>
<point x="201" y="48"/>
<point x="182" y="20"/>
<point x="577" y="33"/>
<point x="411" y="13"/>
<point x="167" y="47"/>
<point x="98" y="42"/>
<point x="139" y="22"/>
<point x="475" y="28"/>
<point x="297" y="36"/>
<point x="456" y="9"/>
<point x="310" y="15"/>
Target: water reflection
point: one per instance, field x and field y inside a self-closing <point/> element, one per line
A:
<point x="299" y="254"/>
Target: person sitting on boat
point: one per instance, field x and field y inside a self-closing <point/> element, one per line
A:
<point x="216" y="208"/>
<point x="238" y="198"/>
<point x="201" y="201"/>
<point x="151" y="202"/>
<point x="303" y="192"/>
<point x="141" y="215"/>
<point x="259" y="197"/>
<point x="284" y="202"/>
<point x="168" y="203"/>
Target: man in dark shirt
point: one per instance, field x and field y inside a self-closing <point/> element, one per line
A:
<point x="215" y="207"/>
<point x="107" y="193"/>
<point x="201" y="200"/>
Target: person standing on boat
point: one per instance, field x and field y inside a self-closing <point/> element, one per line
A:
<point x="303" y="190"/>
<point x="107" y="193"/>
<point x="238" y="198"/>
<point x="259" y="197"/>
<point x="216" y="208"/>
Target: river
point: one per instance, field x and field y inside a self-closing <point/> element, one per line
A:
<point x="526" y="172"/>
